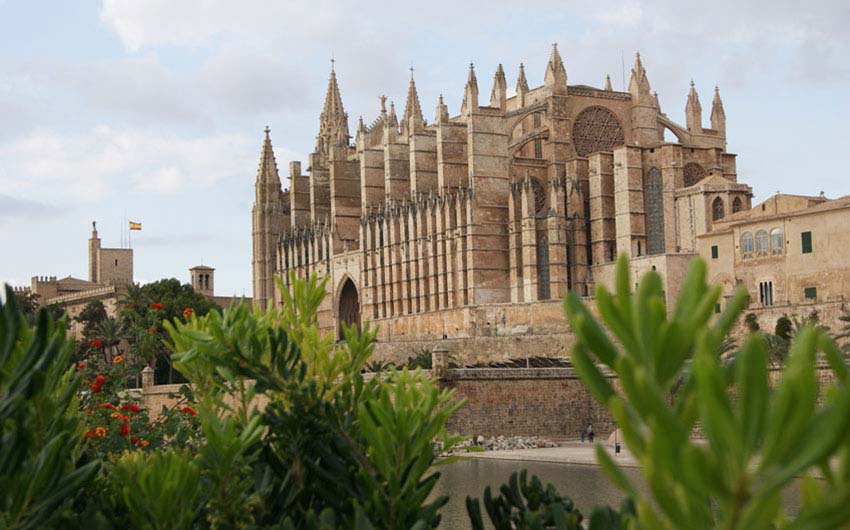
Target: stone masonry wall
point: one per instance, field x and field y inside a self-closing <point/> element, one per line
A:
<point x="548" y="402"/>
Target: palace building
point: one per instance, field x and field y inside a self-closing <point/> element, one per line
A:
<point x="468" y="229"/>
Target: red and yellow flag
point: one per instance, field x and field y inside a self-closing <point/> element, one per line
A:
<point x="135" y="226"/>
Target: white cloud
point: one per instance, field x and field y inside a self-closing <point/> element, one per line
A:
<point x="87" y="167"/>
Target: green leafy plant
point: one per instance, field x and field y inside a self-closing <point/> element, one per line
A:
<point x="41" y="465"/>
<point x="758" y="442"/>
<point x="336" y="451"/>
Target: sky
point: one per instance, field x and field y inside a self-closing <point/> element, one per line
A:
<point x="154" y="111"/>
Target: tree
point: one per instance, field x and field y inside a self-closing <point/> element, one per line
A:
<point x="90" y="317"/>
<point x="144" y="308"/>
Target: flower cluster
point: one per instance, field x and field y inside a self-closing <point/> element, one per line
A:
<point x="156" y="306"/>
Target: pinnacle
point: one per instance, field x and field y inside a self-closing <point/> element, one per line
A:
<point x="521" y="82"/>
<point x="555" y="57"/>
<point x="608" y="83"/>
<point x="412" y="108"/>
<point x="471" y="79"/>
<point x="267" y="170"/>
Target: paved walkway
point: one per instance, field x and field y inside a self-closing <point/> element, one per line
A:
<point x="569" y="453"/>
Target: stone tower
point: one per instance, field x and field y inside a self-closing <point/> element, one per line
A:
<point x="203" y="280"/>
<point x="94" y="248"/>
<point x="269" y="220"/>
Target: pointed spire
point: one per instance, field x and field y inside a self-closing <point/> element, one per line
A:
<point x="333" y="122"/>
<point x="470" y="92"/>
<point x="655" y="99"/>
<point x="498" y="95"/>
<point x="267" y="170"/>
<point x="521" y="85"/>
<point x="412" y="120"/>
<point x="556" y="74"/>
<point x="392" y="119"/>
<point x="442" y="114"/>
<point x="718" y="116"/>
<point x="639" y="83"/>
<point x="693" y="110"/>
<point x="608" y="83"/>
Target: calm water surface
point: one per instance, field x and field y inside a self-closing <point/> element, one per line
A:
<point x="586" y="485"/>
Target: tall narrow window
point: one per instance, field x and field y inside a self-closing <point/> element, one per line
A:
<point x="766" y="293"/>
<point x="806" y="238"/>
<point x="655" y="211"/>
<point x="538" y="148"/>
<point x="717" y="210"/>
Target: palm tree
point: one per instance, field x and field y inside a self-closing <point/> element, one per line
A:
<point x="111" y="332"/>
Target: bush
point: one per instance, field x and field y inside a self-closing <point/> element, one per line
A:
<point x="757" y="444"/>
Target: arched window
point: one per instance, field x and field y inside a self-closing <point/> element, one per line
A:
<point x="349" y="306"/>
<point x="717" y="211"/>
<point x="747" y="244"/>
<point x="762" y="243"/>
<point x="655" y="211"/>
<point x="777" y="241"/>
<point x="737" y="205"/>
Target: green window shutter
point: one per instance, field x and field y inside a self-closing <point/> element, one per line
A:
<point x="810" y="293"/>
<point x="714" y="252"/>
<point x="807" y="242"/>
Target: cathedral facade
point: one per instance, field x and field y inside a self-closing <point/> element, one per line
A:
<point x="471" y="228"/>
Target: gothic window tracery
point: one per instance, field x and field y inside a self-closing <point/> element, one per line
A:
<point x="737" y="206"/>
<point x="655" y="211"/>
<point x="693" y="173"/>
<point x="717" y="209"/>
<point x="596" y="129"/>
<point x="539" y="198"/>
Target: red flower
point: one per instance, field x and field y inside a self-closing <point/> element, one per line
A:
<point x="134" y="439"/>
<point x="188" y="312"/>
<point x="109" y="406"/>
<point x="152" y="330"/>
<point x="89" y="433"/>
<point x="125" y="429"/>
<point x="157" y="306"/>
<point x="95" y="387"/>
<point x="135" y="408"/>
<point x="81" y="366"/>
<point x="125" y="419"/>
<point x="189" y="410"/>
<point x="99" y="379"/>
<point x="96" y="344"/>
<point x="242" y="362"/>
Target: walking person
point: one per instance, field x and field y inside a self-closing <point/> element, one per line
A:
<point x="590" y="433"/>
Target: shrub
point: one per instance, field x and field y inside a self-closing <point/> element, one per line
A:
<point x="757" y="444"/>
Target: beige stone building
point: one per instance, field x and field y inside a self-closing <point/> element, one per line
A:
<point x="110" y="271"/>
<point x="791" y="252"/>
<point x="469" y="228"/>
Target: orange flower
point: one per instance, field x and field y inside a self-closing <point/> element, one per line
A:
<point x="115" y="415"/>
<point x="189" y="410"/>
<point x="125" y="419"/>
<point x="100" y="432"/>
<point x="144" y="443"/>
<point x="188" y="312"/>
<point x="152" y="330"/>
<point x="109" y="406"/>
<point x="118" y="359"/>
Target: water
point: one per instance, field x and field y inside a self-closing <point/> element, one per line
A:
<point x="586" y="485"/>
